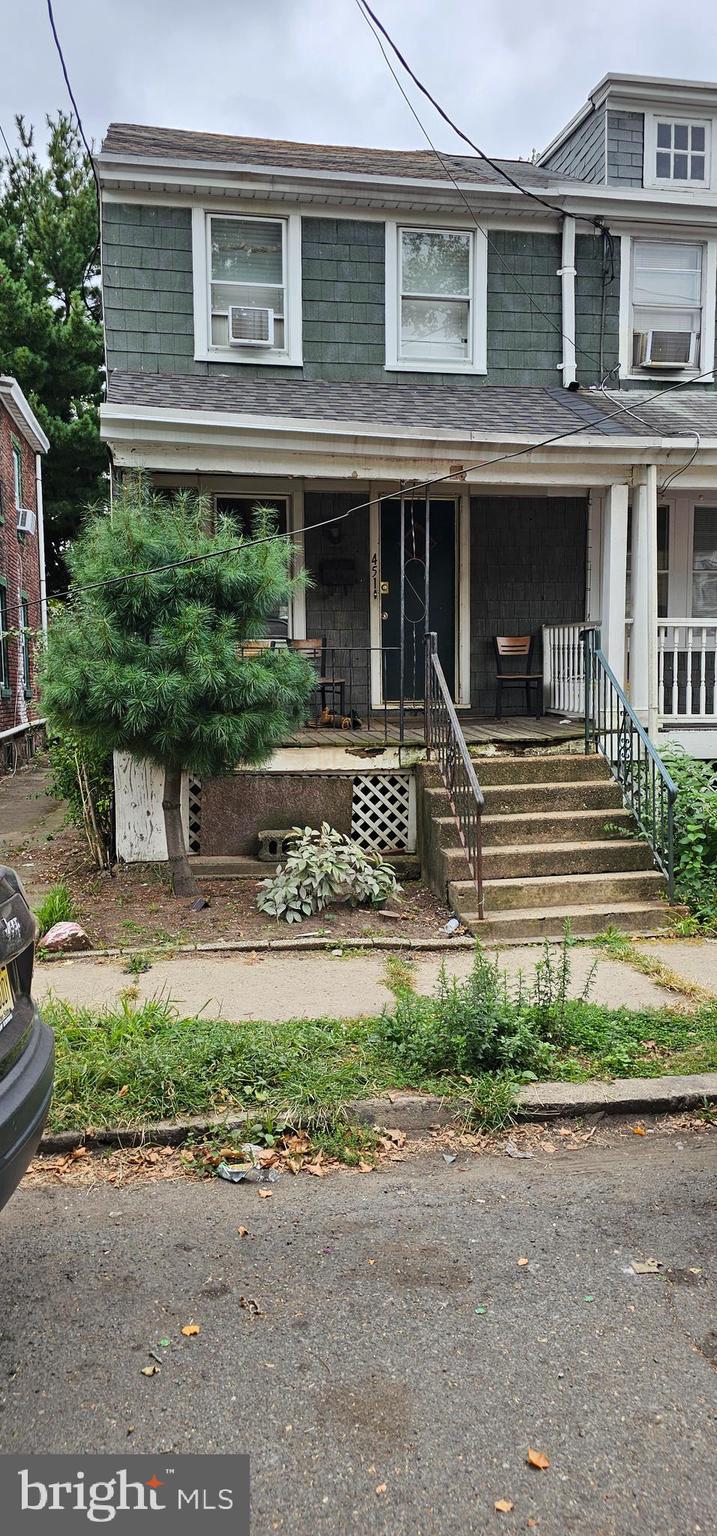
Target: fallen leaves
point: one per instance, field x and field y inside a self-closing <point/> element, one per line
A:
<point x="150" y="1370"/>
<point x="265" y="1194"/>
<point x="639" y="1130"/>
<point x="243" y="1231"/>
<point x="538" y="1459"/>
<point x="646" y="1266"/>
<point x="190" y="1330"/>
<point x="504" y="1506"/>
<point x="522" y="1262"/>
<point x="380" y="1488"/>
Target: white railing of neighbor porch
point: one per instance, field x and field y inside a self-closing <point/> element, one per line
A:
<point x="687" y="669"/>
<point x="563" y="669"/>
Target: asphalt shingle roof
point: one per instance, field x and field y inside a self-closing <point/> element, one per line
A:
<point x="181" y="144"/>
<point x="672" y="413"/>
<point x="427" y="407"/>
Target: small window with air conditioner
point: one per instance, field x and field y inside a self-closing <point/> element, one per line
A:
<point x="248" y="282"/>
<point x="667" y="306"/>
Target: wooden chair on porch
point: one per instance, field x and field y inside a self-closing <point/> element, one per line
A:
<point x="328" y="686"/>
<point x="509" y="650"/>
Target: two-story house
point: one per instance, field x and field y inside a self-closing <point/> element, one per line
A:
<point x="479" y="395"/>
<point x="23" y="606"/>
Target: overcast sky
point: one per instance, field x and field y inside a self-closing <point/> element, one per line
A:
<point x="511" y="71"/>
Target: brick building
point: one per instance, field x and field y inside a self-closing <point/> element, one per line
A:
<point x="23" y="606"/>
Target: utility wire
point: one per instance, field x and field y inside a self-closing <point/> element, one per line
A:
<point x="362" y="506"/>
<point x="495" y="165"/>
<point x="75" y="107"/>
<point x="363" y="10"/>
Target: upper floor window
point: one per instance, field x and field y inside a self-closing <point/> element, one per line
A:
<point x="677" y="151"/>
<point x="435" y="291"/>
<point x="247" y="288"/>
<point x="667" y="304"/>
<point x="681" y="151"/>
<point x="17" y="472"/>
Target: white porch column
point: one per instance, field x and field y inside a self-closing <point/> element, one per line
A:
<point x="614" y="566"/>
<point x="643" y="640"/>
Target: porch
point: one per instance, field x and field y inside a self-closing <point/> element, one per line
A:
<point x="381" y="729"/>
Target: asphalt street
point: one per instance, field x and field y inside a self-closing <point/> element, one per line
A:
<point x="402" y="1360"/>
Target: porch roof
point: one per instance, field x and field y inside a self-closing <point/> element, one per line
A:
<point x="680" y="413"/>
<point x="514" y="412"/>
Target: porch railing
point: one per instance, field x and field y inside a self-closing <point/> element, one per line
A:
<point x="687" y="669"/>
<point x="563" y="669"/>
<point x="613" y="729"/>
<point x="342" y="698"/>
<point x="446" y="743"/>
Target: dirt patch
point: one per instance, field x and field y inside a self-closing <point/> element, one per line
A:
<point x="133" y="908"/>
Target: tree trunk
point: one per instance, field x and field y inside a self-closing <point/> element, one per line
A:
<point x="183" y="881"/>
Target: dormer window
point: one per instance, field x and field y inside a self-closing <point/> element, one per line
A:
<point x="680" y="154"/>
<point x="677" y="151"/>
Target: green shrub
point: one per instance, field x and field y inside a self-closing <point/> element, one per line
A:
<point x="56" y="907"/>
<point x="482" y="1024"/>
<point x="466" y="1027"/>
<point x="695" y="832"/>
<point x="322" y="867"/>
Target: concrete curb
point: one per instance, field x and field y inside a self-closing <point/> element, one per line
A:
<point x="418" y="1113"/>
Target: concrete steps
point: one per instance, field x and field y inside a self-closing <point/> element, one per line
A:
<point x="503" y="861"/>
<point x="549" y="851"/>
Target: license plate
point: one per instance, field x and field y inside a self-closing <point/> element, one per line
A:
<point x="6" y="998"/>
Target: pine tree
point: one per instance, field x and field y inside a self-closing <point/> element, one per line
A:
<point x="154" y="665"/>
<point x="51" y="318"/>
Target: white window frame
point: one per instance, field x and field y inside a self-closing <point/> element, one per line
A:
<point x="650" y="177"/>
<point x="290" y="355"/>
<point x="704" y="362"/>
<point x="478" y="301"/>
<point x="17" y="467"/>
<point x="294" y="503"/>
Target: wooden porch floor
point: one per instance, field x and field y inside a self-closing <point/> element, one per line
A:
<point x="479" y="730"/>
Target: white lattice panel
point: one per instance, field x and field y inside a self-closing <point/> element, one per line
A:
<point x="195" y="816"/>
<point x="383" y="812"/>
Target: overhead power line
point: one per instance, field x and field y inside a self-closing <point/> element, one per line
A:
<point x="554" y="325"/>
<point x="495" y="164"/>
<point x="363" y="506"/>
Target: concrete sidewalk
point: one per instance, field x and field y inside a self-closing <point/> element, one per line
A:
<point x="290" y="986"/>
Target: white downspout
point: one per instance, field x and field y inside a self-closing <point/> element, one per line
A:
<point x="566" y="272"/>
<point x="41" y="539"/>
<point x="653" y="699"/>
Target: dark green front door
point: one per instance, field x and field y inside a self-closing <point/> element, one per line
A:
<point x="441" y="591"/>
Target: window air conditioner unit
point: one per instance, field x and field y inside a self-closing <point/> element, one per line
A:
<point x="666" y="349"/>
<point x="250" y="326"/>
<point x="26" y="520"/>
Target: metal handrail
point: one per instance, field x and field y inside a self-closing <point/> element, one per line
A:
<point x="613" y="729"/>
<point x="445" y="738"/>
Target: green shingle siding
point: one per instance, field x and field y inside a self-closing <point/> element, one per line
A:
<point x="149" y="304"/>
<point x="625" y="148"/>
<point x="588" y="310"/>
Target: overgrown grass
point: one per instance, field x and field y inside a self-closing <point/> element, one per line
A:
<point x="56" y="907"/>
<point x="473" y="1041"/>
<point x="621" y="947"/>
